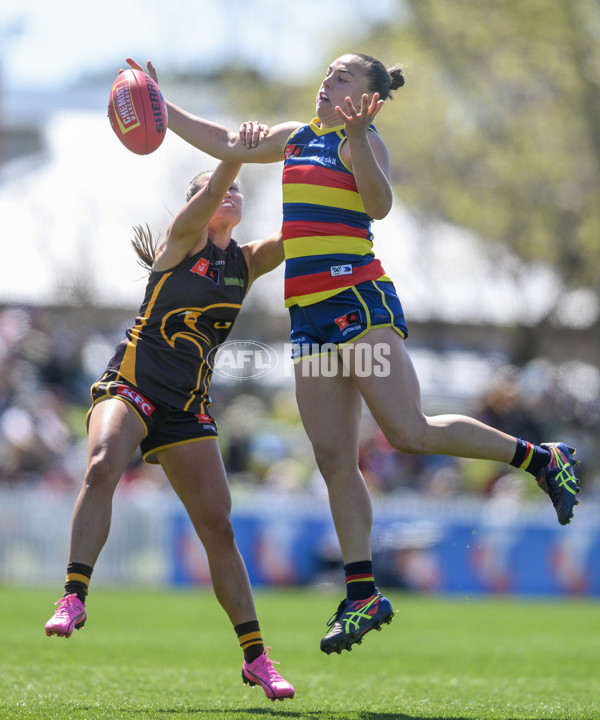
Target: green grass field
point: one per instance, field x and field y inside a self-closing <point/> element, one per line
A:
<point x="162" y="654"/>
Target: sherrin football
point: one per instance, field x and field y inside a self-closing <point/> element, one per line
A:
<point x="137" y="112"/>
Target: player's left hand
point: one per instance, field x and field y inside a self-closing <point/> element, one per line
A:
<point x="356" y="122"/>
<point x="251" y="132"/>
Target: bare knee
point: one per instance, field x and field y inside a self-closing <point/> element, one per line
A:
<point x="333" y="464"/>
<point x="222" y="528"/>
<point x="101" y="472"/>
<point x="216" y="530"/>
<point x="412" y="441"/>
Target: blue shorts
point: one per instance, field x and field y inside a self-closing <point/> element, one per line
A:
<point x="166" y="426"/>
<point x="345" y="317"/>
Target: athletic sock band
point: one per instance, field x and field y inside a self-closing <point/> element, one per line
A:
<point x="523" y="455"/>
<point x="360" y="581"/>
<point x="78" y="580"/>
<point x="250" y="639"/>
<point x="529" y="457"/>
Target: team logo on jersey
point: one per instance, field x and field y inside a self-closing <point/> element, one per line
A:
<point x="351" y="318"/>
<point x="294" y="151"/>
<point x="186" y="325"/>
<point x="204" y="268"/>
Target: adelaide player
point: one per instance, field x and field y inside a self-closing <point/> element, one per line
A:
<point x="154" y="395"/>
<point x="336" y="181"/>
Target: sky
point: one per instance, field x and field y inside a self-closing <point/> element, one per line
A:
<point x="49" y="43"/>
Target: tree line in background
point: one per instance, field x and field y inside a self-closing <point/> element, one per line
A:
<point x="499" y="130"/>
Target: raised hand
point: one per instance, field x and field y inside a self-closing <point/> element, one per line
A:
<point x="150" y="69"/>
<point x="356" y="122"/>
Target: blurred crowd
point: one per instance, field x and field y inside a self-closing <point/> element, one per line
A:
<point x="48" y="362"/>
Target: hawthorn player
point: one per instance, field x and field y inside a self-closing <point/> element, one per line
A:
<point x="155" y="394"/>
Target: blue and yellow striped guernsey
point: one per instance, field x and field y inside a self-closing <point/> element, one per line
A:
<point x="327" y="235"/>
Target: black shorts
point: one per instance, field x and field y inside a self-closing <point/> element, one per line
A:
<point x="165" y="426"/>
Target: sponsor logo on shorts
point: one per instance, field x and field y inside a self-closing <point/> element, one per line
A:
<point x="146" y="407"/>
<point x="206" y="421"/>
<point x="337" y="270"/>
<point x="352" y="318"/>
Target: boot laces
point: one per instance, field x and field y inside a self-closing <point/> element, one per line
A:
<point x="268" y="664"/>
<point x="65" y="605"/>
<point x="338" y="613"/>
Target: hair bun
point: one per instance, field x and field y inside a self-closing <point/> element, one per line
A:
<point x="396" y="77"/>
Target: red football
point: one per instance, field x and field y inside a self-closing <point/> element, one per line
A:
<point x="137" y="112"/>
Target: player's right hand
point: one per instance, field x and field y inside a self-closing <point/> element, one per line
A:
<point x="150" y="69"/>
<point x="251" y="131"/>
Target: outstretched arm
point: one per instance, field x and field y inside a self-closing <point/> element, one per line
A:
<point x="216" y="139"/>
<point x="188" y="231"/>
<point x="262" y="256"/>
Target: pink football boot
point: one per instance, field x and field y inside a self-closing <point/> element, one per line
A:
<point x="261" y="672"/>
<point x="70" y="616"/>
